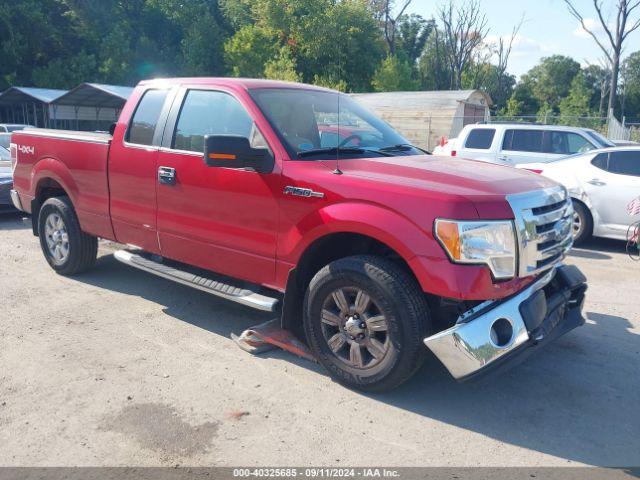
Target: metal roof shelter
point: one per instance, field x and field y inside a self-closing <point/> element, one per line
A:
<point x="425" y="117"/>
<point x="96" y="95"/>
<point x="27" y="105"/>
<point x="89" y="106"/>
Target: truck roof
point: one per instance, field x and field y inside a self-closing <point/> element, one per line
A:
<point x="246" y="83"/>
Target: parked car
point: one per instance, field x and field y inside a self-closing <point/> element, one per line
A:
<point x="602" y="183"/>
<point x="5" y="140"/>
<point x="513" y="143"/>
<point x="6" y="184"/>
<point x="5" y="157"/>
<point x="12" y="127"/>
<point x="224" y="185"/>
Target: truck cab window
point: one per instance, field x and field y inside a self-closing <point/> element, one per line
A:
<point x="208" y="112"/>
<point x="145" y="119"/>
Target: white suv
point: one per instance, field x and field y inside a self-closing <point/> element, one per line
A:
<point x="514" y="143"/>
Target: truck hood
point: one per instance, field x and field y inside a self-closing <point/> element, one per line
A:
<point x="484" y="184"/>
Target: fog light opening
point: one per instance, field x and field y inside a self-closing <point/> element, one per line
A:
<point x="501" y="332"/>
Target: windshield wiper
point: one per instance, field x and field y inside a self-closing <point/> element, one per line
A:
<point x="402" y="147"/>
<point x="338" y="150"/>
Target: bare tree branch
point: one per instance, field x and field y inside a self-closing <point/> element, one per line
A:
<point x="580" y="18"/>
<point x="616" y="36"/>
<point x="391" y="22"/>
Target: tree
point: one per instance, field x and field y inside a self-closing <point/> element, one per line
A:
<point x="283" y="67"/>
<point x="577" y="102"/>
<point x="616" y="35"/>
<point x="390" y="22"/>
<point x="598" y="78"/>
<point x="522" y="101"/>
<point x="464" y="30"/>
<point x="550" y="80"/>
<point x="393" y="74"/>
<point x="631" y="79"/>
<point x="413" y="32"/>
<point x="326" y="40"/>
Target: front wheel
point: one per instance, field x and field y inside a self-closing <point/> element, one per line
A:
<point x="582" y="223"/>
<point x="365" y="318"/>
<point x="65" y="247"/>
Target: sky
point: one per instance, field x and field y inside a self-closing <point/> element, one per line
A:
<point x="548" y="29"/>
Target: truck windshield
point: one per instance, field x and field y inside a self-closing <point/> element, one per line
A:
<point x="320" y="125"/>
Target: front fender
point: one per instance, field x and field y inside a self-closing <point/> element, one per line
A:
<point x="378" y="222"/>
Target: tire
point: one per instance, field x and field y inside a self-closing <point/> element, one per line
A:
<point x="582" y="223"/>
<point x="67" y="249"/>
<point x="388" y="357"/>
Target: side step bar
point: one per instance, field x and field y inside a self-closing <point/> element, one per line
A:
<point x="215" y="287"/>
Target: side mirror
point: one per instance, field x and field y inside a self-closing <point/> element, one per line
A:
<point x="234" y="151"/>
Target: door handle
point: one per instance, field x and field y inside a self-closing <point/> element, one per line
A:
<point x="167" y="175"/>
<point x="503" y="158"/>
<point x="596" y="182"/>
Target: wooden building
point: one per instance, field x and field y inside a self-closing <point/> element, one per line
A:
<point x="425" y="117"/>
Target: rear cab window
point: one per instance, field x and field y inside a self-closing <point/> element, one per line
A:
<point x="144" y="122"/>
<point x="480" y="138"/>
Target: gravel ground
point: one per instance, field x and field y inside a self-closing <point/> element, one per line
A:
<point x="117" y="367"/>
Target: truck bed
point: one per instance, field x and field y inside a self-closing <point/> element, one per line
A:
<point x="97" y="137"/>
<point x="74" y="161"/>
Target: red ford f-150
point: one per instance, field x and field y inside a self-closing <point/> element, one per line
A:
<point x="295" y="199"/>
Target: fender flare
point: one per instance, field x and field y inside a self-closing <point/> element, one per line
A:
<point x="371" y="220"/>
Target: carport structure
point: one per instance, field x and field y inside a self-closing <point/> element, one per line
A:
<point x="28" y="105"/>
<point x="89" y="106"/>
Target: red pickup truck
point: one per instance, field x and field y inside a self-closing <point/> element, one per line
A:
<point x="295" y="199"/>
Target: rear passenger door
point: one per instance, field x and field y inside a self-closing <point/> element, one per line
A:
<point x="522" y="146"/>
<point x="132" y="171"/>
<point x="611" y="184"/>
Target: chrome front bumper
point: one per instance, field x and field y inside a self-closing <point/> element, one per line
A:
<point x="15" y="199"/>
<point x="496" y="331"/>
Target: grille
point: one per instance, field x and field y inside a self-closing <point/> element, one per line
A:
<point x="543" y="220"/>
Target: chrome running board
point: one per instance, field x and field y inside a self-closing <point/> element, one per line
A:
<point x="236" y="294"/>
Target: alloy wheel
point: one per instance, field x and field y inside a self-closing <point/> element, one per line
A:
<point x="355" y="328"/>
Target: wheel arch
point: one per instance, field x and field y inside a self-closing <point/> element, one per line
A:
<point x="46" y="187"/>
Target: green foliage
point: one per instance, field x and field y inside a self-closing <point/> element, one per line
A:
<point x="393" y="74"/>
<point x="522" y="101"/>
<point x="283" y="67"/>
<point x="631" y="78"/>
<point x="333" y="43"/>
<point x="551" y="79"/>
<point x="248" y="51"/>
<point x="577" y="102"/>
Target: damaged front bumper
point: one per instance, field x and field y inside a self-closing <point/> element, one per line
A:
<point x="499" y="333"/>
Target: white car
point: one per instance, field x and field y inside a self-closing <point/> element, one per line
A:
<point x="605" y="187"/>
<point x="515" y="143"/>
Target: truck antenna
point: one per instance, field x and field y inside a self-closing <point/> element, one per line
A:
<point x="337" y="170"/>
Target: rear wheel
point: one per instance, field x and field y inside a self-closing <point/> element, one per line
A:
<point x="65" y="247"/>
<point x="365" y="319"/>
<point x="582" y="223"/>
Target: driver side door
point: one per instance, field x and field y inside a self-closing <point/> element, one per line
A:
<point x="221" y="219"/>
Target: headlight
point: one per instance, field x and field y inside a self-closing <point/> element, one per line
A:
<point x="480" y="242"/>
